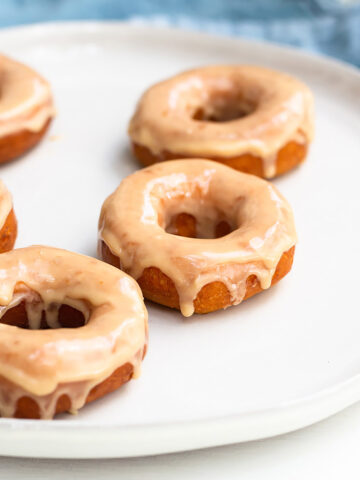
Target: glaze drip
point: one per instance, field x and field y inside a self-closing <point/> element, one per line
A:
<point x="35" y="307"/>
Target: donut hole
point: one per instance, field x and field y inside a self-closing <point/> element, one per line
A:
<point x="224" y="107"/>
<point x="27" y="310"/>
<point x="195" y="206"/>
<point x="186" y="225"/>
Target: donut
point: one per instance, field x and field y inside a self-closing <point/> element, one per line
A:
<point x="197" y="235"/>
<point x="250" y="118"/>
<point x="26" y="108"/>
<point x="8" y="223"/>
<point x="72" y="329"/>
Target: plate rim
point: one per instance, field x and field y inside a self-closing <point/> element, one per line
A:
<point x="227" y="426"/>
<point x="93" y="26"/>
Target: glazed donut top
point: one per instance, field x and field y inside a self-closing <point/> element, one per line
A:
<point x="275" y="109"/>
<point x="5" y="203"/>
<point x="25" y="98"/>
<point x="115" y="331"/>
<point x="135" y="223"/>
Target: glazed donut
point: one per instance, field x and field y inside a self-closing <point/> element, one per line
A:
<point x="26" y="108"/>
<point x="8" y="223"/>
<point x="250" y="118"/>
<point x="72" y="329"/>
<point x="244" y="231"/>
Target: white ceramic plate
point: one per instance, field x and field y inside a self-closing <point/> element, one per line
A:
<point x="282" y="360"/>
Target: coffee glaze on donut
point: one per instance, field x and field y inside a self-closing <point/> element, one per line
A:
<point x="72" y="329"/>
<point x="250" y="118"/>
<point x="8" y="223"/>
<point x="26" y="108"/>
<point x="141" y="221"/>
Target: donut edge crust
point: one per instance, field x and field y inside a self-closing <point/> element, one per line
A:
<point x="28" y="408"/>
<point x="17" y="144"/>
<point x="288" y="157"/>
<point x="8" y="233"/>
<point x="159" y="288"/>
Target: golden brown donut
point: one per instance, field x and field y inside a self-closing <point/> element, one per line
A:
<point x="72" y="329"/>
<point x="8" y="233"/>
<point x="8" y="223"/>
<point x="249" y="118"/>
<point x="239" y="231"/>
<point x="26" y="108"/>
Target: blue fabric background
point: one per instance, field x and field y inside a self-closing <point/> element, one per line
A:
<point x="329" y="26"/>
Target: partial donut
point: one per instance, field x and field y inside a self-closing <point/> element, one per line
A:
<point x="72" y="329"/>
<point x="26" y="108"/>
<point x="8" y="223"/>
<point x="196" y="235"/>
<point x="253" y="119"/>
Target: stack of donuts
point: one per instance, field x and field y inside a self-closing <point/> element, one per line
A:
<point x="198" y="229"/>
